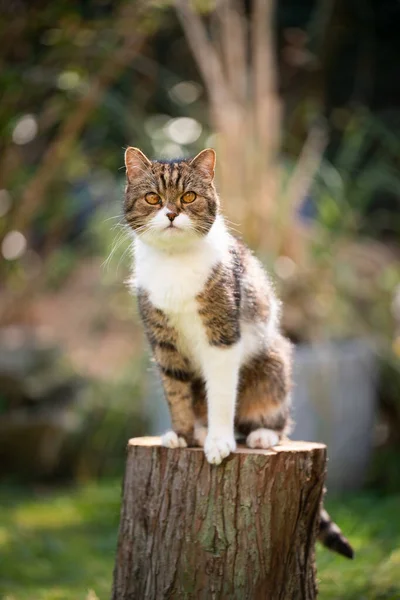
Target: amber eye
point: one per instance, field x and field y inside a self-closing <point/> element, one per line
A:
<point x="188" y="197"/>
<point x="153" y="198"/>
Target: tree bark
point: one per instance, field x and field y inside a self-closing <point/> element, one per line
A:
<point x="244" y="530"/>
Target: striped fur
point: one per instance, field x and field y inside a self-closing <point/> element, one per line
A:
<point x="331" y="536"/>
<point x="210" y="314"/>
<point x="169" y="180"/>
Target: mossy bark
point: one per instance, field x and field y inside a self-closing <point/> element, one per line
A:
<point x="244" y="530"/>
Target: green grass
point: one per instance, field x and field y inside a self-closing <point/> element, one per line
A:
<point x="372" y="523"/>
<point x="58" y="546"/>
<point x="61" y="545"/>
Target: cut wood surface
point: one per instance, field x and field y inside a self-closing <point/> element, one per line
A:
<point x="242" y="530"/>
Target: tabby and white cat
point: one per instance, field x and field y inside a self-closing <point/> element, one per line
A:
<point x="210" y="314"/>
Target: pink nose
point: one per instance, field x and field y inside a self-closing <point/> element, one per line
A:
<point x="171" y="215"/>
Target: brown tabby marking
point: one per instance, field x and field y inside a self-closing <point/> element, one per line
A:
<point x="238" y="292"/>
<point x="175" y="370"/>
<point x="256" y="289"/>
<point x="163" y="341"/>
<point x="220" y="306"/>
<point x="199" y="400"/>
<point x="170" y="180"/>
<point x="180" y="402"/>
<point x="331" y="536"/>
<point x="264" y="381"/>
<point x="264" y="386"/>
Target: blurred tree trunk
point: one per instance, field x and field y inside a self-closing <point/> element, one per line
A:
<point x="238" y="66"/>
<point x="244" y="530"/>
<point x="238" y="69"/>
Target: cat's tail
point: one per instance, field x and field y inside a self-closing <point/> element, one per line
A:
<point x="330" y="536"/>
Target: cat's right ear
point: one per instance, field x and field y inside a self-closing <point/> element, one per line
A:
<point x="136" y="163"/>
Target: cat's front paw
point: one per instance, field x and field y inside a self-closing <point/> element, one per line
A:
<point x="173" y="440"/>
<point x="216" y="448"/>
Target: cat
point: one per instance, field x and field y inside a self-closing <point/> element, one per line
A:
<point x="210" y="314"/>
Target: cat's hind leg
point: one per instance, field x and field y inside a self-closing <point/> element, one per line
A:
<point x="263" y="407"/>
<point x="262" y="438"/>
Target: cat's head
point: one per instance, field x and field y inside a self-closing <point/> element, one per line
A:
<point x="170" y="204"/>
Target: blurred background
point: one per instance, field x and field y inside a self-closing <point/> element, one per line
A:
<point x="302" y="103"/>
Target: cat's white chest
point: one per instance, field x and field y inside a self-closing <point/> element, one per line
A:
<point x="174" y="280"/>
<point x="173" y="284"/>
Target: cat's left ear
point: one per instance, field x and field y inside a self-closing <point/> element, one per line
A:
<point x="205" y="162"/>
<point x="136" y="163"/>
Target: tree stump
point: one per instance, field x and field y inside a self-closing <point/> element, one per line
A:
<point x="244" y="530"/>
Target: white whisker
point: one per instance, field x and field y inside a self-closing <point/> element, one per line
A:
<point x="122" y="257"/>
<point x="113" y="218"/>
<point x="120" y="239"/>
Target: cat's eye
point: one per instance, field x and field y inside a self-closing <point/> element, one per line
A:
<point x="152" y="198"/>
<point x="188" y="197"/>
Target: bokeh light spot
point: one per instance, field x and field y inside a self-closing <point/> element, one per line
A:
<point x="185" y="92"/>
<point x="284" y="267"/>
<point x="68" y="80"/>
<point x="183" y="130"/>
<point x="14" y="245"/>
<point x="25" y="130"/>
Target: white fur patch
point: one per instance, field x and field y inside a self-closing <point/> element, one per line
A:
<point x="174" y="272"/>
<point x="174" y="278"/>
<point x="216" y="449"/>
<point x="172" y="440"/>
<point x="220" y="367"/>
<point x="262" y="438"/>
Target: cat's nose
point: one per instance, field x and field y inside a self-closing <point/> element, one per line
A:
<point x="171" y="215"/>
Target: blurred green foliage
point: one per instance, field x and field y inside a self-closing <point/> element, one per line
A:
<point x="58" y="546"/>
<point x="55" y="56"/>
<point x="111" y="413"/>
